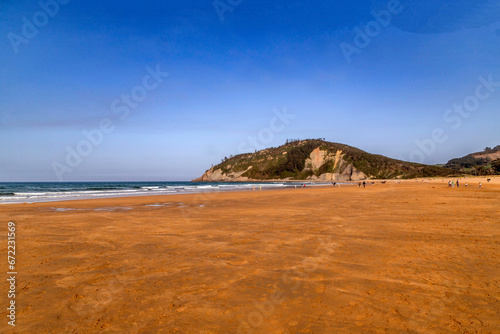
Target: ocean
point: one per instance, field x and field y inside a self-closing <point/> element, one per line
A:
<point x="31" y="192"/>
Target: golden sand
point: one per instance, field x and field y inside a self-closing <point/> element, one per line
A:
<point x="414" y="257"/>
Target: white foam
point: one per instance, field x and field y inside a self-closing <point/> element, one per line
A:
<point x="45" y="196"/>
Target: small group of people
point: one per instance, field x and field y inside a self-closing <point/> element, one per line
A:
<point x="451" y="184"/>
<point x="364" y="184"/>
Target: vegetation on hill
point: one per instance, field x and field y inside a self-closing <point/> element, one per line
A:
<point x="289" y="161"/>
<point x="479" y="163"/>
<point x="468" y="161"/>
<point x="496" y="166"/>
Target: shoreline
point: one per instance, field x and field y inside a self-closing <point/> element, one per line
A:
<point x="290" y="184"/>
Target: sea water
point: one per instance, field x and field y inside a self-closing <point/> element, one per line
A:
<point x="30" y="192"/>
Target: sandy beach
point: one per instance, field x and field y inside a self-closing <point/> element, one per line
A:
<point x="414" y="257"/>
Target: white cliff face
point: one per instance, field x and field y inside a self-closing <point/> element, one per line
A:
<point x="341" y="171"/>
<point x="317" y="158"/>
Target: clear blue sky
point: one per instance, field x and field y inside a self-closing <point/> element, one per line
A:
<point x="68" y="68"/>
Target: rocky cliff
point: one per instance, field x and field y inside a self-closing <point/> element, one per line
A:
<point x="314" y="160"/>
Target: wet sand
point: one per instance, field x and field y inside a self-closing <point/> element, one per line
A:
<point x="394" y="258"/>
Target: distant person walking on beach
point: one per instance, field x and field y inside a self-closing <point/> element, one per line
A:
<point x="364" y="184"/>
<point x="458" y="185"/>
<point x="449" y="184"/>
<point x="479" y="184"/>
<point x="465" y="184"/>
<point x="359" y="184"/>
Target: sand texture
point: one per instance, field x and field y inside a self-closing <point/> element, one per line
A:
<point x="392" y="258"/>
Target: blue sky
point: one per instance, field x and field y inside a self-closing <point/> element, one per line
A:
<point x="66" y="67"/>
